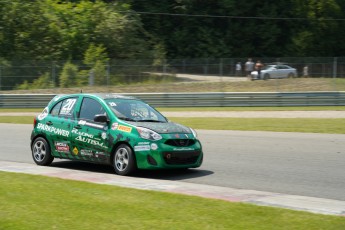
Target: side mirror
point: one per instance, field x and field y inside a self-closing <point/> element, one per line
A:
<point x="101" y="118"/>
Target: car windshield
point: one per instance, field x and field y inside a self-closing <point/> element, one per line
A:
<point x="134" y="110"/>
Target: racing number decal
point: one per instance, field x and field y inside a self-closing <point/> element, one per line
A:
<point x="66" y="109"/>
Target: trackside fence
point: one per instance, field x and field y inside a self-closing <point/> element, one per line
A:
<point x="35" y="74"/>
<point x="225" y="99"/>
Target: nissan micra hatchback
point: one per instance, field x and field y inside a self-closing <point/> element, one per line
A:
<point x="112" y="129"/>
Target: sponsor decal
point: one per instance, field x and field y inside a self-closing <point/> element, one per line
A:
<point x="112" y="104"/>
<point x="82" y="122"/>
<point x="44" y="114"/>
<point x="75" y="151"/>
<point x="76" y="131"/>
<point x="100" y="155"/>
<point x="124" y="128"/>
<point x="52" y="129"/>
<point x="61" y="147"/>
<point x="142" y="148"/>
<point x="86" y="152"/>
<point x="154" y="146"/>
<point x="183" y="149"/>
<point x="90" y="141"/>
<point x="143" y="143"/>
<point x="114" y="126"/>
<point x="104" y="135"/>
<point x="66" y="108"/>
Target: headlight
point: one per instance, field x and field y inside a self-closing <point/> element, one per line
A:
<point x="194" y="133"/>
<point x="148" y="134"/>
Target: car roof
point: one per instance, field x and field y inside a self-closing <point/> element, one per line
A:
<point x="111" y="95"/>
<point x="100" y="95"/>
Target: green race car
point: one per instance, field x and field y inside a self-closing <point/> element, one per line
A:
<point x="112" y="129"/>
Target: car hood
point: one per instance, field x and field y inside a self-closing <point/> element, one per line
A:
<point x="162" y="128"/>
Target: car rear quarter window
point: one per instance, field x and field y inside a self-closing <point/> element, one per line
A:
<point x="56" y="109"/>
<point x="89" y="108"/>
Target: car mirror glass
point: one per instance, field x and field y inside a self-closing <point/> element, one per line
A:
<point x="101" y="118"/>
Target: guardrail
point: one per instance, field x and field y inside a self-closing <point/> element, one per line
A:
<point x="199" y="99"/>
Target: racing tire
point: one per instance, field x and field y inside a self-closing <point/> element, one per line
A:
<point x="41" y="152"/>
<point x="266" y="76"/>
<point x="124" y="162"/>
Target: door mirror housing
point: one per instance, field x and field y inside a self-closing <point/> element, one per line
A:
<point x="101" y="118"/>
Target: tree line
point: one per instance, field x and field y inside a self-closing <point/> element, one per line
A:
<point x="97" y="31"/>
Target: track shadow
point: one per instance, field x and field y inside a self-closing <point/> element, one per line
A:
<point x="166" y="174"/>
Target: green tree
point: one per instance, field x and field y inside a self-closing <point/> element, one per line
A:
<point x="319" y="35"/>
<point x="68" y="76"/>
<point x="43" y="82"/>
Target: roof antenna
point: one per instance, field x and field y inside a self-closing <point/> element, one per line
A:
<point x="81" y="91"/>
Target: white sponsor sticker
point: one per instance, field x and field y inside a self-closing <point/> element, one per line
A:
<point x="114" y="126"/>
<point x="142" y="148"/>
<point x="66" y="108"/>
<point x="86" y="152"/>
<point x="44" y="114"/>
<point x="81" y="122"/>
<point x="61" y="147"/>
<point x="154" y="146"/>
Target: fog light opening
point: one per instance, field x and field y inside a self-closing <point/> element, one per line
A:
<point x="151" y="160"/>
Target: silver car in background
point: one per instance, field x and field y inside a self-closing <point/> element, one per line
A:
<point x="275" y="71"/>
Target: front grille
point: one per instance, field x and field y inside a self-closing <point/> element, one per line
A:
<point x="180" y="142"/>
<point x="181" y="157"/>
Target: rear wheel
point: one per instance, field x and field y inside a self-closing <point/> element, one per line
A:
<point x="41" y="152"/>
<point x="266" y="76"/>
<point x="124" y="160"/>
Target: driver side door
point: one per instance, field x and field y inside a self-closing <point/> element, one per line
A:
<point x="91" y="139"/>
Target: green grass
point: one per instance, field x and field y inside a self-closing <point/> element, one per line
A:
<point x="17" y="119"/>
<point x="20" y="110"/>
<point x="304" y="125"/>
<point x="274" y="85"/>
<point x="37" y="202"/>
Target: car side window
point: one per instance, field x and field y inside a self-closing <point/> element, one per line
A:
<point x="90" y="108"/>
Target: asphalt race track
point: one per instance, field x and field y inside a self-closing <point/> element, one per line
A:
<point x="290" y="163"/>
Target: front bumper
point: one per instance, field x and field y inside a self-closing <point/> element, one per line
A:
<point x="165" y="156"/>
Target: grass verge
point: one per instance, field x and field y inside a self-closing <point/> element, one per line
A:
<point x="304" y="125"/>
<point x="37" y="202"/>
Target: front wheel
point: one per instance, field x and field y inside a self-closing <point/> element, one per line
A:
<point x="41" y="152"/>
<point x="124" y="160"/>
<point x="266" y="76"/>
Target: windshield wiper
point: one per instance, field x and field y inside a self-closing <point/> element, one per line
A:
<point x="150" y="120"/>
<point x="126" y="119"/>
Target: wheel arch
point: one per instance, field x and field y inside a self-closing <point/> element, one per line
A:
<point x="112" y="153"/>
<point x="37" y="136"/>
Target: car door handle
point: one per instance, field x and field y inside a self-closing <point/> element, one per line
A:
<point x="49" y="123"/>
<point x="77" y="127"/>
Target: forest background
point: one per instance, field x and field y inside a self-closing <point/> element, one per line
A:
<point x="96" y="32"/>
